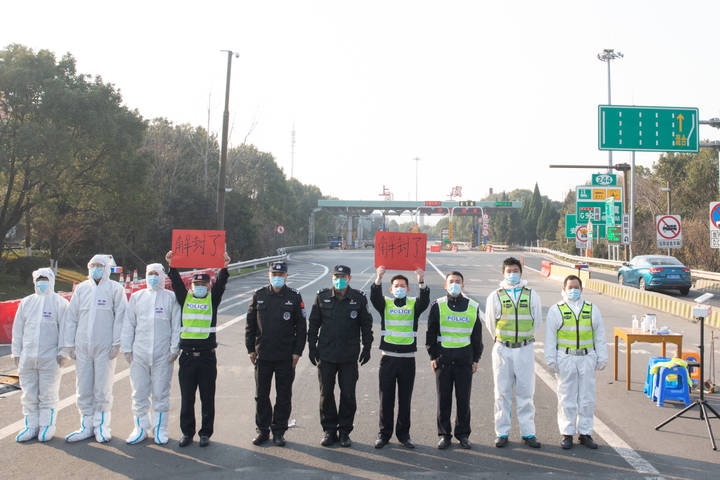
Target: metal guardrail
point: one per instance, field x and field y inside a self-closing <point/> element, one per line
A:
<point x="256" y="261"/>
<point x="613" y="263"/>
<point x="282" y="254"/>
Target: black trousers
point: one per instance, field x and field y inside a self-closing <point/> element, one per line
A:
<point x="331" y="418"/>
<point x="447" y="376"/>
<point x="197" y="371"/>
<point x="265" y="418"/>
<point x="396" y="372"/>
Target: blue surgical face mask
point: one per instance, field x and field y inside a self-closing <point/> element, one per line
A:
<point x="573" y="293"/>
<point x="340" y="283"/>
<point x="512" y="278"/>
<point x="97" y="272"/>
<point x="42" y="285"/>
<point x="199" y="290"/>
<point x="277" y="281"/>
<point x="399" y="292"/>
<point x="454" y="289"/>
<point x="152" y="280"/>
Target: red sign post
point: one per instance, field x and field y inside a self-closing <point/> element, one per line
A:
<point x="400" y="250"/>
<point x="198" y="249"/>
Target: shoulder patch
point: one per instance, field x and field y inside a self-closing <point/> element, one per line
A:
<point x="294" y="290"/>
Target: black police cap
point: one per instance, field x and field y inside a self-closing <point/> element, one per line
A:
<point x="279" y="267"/>
<point x="341" y="270"/>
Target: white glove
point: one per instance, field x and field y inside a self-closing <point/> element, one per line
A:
<point x="552" y="366"/>
<point x="17" y="361"/>
<point x="600" y="365"/>
<point x="114" y="350"/>
<point x="172" y="357"/>
<point x="128" y="356"/>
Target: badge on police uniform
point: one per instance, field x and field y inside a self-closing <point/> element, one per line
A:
<point x="286" y="316"/>
<point x="353" y="314"/>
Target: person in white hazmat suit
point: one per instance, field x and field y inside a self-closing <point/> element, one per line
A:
<point x="92" y="336"/>
<point x="36" y="340"/>
<point x="575" y="347"/>
<point x="150" y="341"/>
<point x="513" y="314"/>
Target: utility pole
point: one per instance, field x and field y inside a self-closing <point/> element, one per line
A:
<point x="207" y="146"/>
<point x="223" y="149"/>
<point x="608" y="55"/>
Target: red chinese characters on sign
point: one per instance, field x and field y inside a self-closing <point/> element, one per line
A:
<point x="400" y="250"/>
<point x="198" y="249"/>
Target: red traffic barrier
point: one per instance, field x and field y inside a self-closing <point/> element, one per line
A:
<point x="545" y="269"/>
<point x="435" y="248"/>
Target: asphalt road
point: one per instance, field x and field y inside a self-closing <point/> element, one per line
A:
<point x="629" y="446"/>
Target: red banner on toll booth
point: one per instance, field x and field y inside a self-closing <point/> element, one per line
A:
<point x="400" y="250"/>
<point x="198" y="249"/>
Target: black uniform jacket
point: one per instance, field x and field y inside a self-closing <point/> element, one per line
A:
<point x="463" y="355"/>
<point x="276" y="327"/>
<point x="336" y="325"/>
<point x="421" y="304"/>
<point x="216" y="293"/>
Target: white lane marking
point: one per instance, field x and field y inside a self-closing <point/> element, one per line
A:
<point x="613" y="440"/>
<point x="13" y="428"/>
<point x="531" y="268"/>
<point x="436" y="269"/>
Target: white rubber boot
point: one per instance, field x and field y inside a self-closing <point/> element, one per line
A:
<point x="160" y="427"/>
<point x="85" y="430"/>
<point x="102" y="427"/>
<point x="30" y="430"/>
<point x="47" y="424"/>
<point x="140" y="432"/>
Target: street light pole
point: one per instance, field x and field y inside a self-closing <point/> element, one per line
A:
<point x="608" y="55"/>
<point x="223" y="150"/>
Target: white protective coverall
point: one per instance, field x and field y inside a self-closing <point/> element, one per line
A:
<point x="575" y="374"/>
<point x="513" y="367"/>
<point x="36" y="340"/>
<point x="150" y="338"/>
<point x="92" y="330"/>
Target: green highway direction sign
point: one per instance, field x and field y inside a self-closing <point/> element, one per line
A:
<point x="591" y="205"/>
<point x="610" y="212"/>
<point x="571" y="227"/>
<point x="650" y="129"/>
<point x="604" y="179"/>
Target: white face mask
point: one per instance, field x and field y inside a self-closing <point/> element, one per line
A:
<point x="573" y="293"/>
<point x="454" y="289"/>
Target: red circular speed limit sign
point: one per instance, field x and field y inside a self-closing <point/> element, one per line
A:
<point x="668" y="227"/>
<point x="280" y="229"/>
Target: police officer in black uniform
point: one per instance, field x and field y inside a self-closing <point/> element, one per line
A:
<point x="275" y="335"/>
<point x="338" y="319"/>
<point x="198" y="363"/>
<point x="397" y="366"/>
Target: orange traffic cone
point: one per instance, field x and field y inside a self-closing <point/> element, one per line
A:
<point x="121" y="280"/>
<point x="135" y="278"/>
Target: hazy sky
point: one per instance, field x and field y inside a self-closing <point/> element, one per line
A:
<point x="486" y="94"/>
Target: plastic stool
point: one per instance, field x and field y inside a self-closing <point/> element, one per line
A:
<point x="649" y="380"/>
<point x="694" y="371"/>
<point x="666" y="392"/>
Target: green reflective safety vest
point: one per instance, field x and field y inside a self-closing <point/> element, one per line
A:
<point x="197" y="317"/>
<point x="456" y="327"/>
<point x="399" y="322"/>
<point x="515" y="323"/>
<point x="575" y="333"/>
